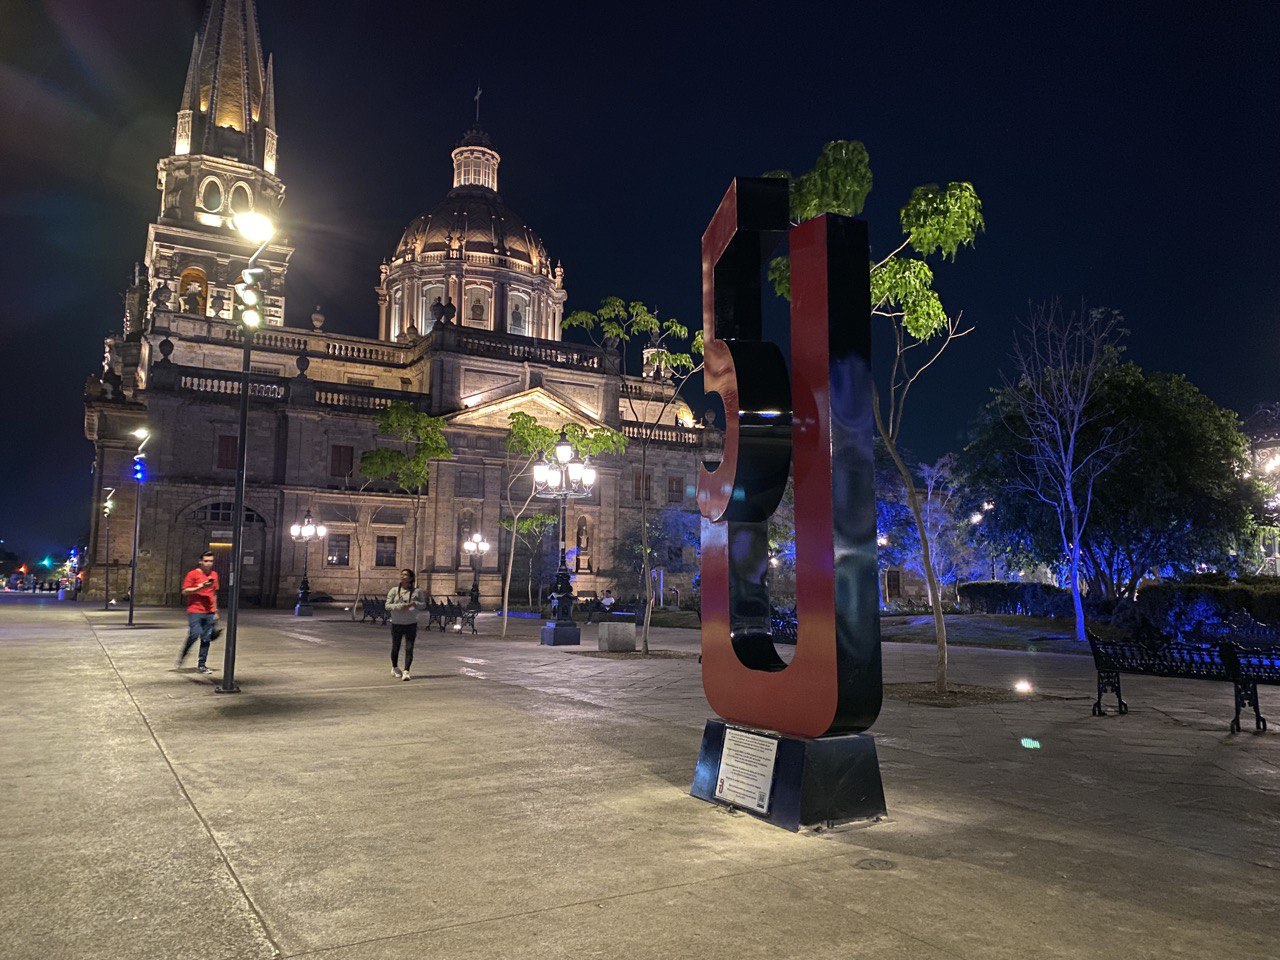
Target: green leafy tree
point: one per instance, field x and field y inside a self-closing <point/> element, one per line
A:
<point x="1177" y="498"/>
<point x="672" y="357"/>
<point x="672" y="532"/>
<point x="422" y="442"/>
<point x="936" y="223"/>
<point x="526" y="441"/>
<point x="532" y="532"/>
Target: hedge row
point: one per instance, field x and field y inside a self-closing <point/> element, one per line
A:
<point x="1174" y="607"/>
<point x="1025" y="599"/>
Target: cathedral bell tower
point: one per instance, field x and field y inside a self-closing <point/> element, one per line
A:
<point x="225" y="147"/>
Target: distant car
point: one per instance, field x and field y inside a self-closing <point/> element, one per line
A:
<point x="321" y="598"/>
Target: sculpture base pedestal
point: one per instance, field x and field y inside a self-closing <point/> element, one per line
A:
<point x="815" y="782"/>
<point x="302" y="610"/>
<point x="561" y="633"/>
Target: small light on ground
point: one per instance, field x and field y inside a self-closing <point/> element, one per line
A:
<point x="1029" y="744"/>
<point x="1023" y="686"/>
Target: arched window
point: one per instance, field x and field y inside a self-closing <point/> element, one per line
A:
<point x="193" y="291"/>
<point x="397" y="311"/>
<point x="518" y="317"/>
<point x="241" y="198"/>
<point x="211" y="194"/>
<point x="582" y="562"/>
<point x="477" y="310"/>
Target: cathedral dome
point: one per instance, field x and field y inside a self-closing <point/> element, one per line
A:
<point x="474" y="220"/>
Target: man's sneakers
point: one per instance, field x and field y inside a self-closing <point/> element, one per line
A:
<point x="405" y="676"/>
<point x="395" y="672"/>
<point x="202" y="669"/>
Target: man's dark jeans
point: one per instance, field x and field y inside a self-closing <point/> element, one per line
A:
<point x="199" y="627"/>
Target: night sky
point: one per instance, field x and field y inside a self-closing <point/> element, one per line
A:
<point x="1125" y="153"/>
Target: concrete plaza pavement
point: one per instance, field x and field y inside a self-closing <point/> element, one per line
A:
<point x="514" y="800"/>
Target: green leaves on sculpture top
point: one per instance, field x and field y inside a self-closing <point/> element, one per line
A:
<point x="942" y="219"/>
<point x="838" y="183"/>
<point x="903" y="287"/>
<point x="935" y="220"/>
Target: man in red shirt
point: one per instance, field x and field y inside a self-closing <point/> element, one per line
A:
<point x="200" y="591"/>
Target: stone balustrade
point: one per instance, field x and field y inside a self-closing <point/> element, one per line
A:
<point x="217" y="385"/>
<point x="679" y="436"/>
<point x="445" y="338"/>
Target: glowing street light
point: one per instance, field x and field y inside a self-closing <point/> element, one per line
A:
<point x="108" y="504"/>
<point x="475" y="546"/>
<point x="565" y="478"/>
<point x="306" y="533"/>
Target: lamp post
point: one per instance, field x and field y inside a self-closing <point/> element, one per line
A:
<point x="565" y="478"/>
<point x="476" y="546"/>
<point x="139" y="477"/>
<point x="306" y="533"/>
<point x="107" y="505"/>
<point x="258" y="229"/>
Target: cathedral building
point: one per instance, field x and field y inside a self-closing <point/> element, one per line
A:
<point x="468" y="328"/>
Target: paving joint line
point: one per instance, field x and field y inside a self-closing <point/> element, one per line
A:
<point x="182" y="787"/>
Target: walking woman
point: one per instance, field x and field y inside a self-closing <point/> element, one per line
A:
<point x="403" y="603"/>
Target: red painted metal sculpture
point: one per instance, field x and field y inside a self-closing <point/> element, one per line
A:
<point x="821" y="418"/>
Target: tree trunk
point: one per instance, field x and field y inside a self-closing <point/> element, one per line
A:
<point x="935" y="591"/>
<point x="644" y="548"/>
<point x="1076" y="600"/>
<point x="506" y="580"/>
<point x="930" y="577"/>
<point x="416" y="565"/>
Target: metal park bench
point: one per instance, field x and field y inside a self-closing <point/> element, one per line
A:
<point x="450" y="615"/>
<point x="467" y="618"/>
<point x="783" y="626"/>
<point x="1244" y="665"/>
<point x="435" y="613"/>
<point x="374" y="609"/>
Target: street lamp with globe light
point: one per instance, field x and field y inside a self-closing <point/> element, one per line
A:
<point x="306" y="533"/>
<point x="476" y="546"/>
<point x="258" y="229"/>
<point x="565" y="478"/>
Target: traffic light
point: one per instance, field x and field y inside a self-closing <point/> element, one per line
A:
<point x="140" y="467"/>
<point x="106" y="508"/>
<point x="249" y="293"/>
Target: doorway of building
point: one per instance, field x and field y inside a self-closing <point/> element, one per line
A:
<point x="222" y="564"/>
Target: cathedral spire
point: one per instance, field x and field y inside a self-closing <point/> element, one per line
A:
<point x="191" y="90"/>
<point x="228" y="105"/>
<point x="269" y="120"/>
<point x="269" y="98"/>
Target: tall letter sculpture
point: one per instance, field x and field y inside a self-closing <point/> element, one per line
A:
<point x="791" y="747"/>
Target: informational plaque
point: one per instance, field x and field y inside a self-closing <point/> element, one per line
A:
<point x="746" y="769"/>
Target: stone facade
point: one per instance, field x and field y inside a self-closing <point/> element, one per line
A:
<point x="174" y="369"/>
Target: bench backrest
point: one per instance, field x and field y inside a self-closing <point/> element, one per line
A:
<point x="1168" y="659"/>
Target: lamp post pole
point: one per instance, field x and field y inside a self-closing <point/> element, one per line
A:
<point x="139" y="471"/>
<point x="106" y="565"/>
<point x="258" y="229"/>
<point x="565" y="478"/>
<point x="228" y="684"/>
